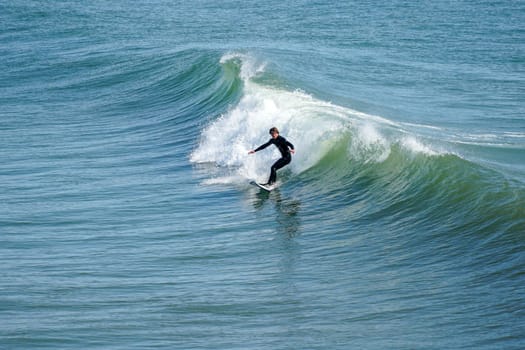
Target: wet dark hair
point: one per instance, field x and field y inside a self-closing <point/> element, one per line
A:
<point x="274" y="129"/>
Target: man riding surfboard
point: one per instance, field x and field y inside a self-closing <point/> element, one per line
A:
<point x="286" y="149"/>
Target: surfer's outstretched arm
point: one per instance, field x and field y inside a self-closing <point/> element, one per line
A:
<point x="261" y="147"/>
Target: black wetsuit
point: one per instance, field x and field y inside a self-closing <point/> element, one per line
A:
<point x="282" y="144"/>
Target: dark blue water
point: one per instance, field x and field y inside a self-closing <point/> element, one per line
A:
<point x="126" y="215"/>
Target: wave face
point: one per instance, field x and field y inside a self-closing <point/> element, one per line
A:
<point x="395" y="169"/>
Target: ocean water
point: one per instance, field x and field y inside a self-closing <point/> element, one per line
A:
<point x="127" y="220"/>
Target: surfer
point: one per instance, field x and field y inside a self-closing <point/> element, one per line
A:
<point x="286" y="149"/>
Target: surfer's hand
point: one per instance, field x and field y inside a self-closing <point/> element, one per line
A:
<point x="251" y="152"/>
<point x="292" y="151"/>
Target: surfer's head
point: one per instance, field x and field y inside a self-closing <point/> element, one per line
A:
<point x="274" y="132"/>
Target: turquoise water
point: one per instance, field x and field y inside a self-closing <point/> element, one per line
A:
<point x="126" y="215"/>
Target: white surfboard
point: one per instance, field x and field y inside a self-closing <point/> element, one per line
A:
<point x="264" y="187"/>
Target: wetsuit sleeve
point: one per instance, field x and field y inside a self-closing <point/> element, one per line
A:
<point x="263" y="146"/>
<point x="289" y="144"/>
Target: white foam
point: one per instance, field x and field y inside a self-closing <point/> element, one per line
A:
<point x="250" y="67"/>
<point x="224" y="180"/>
<point x="413" y="145"/>
<point x="368" y="144"/>
<point x="300" y="119"/>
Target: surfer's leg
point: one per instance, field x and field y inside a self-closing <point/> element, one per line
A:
<point x="276" y="166"/>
